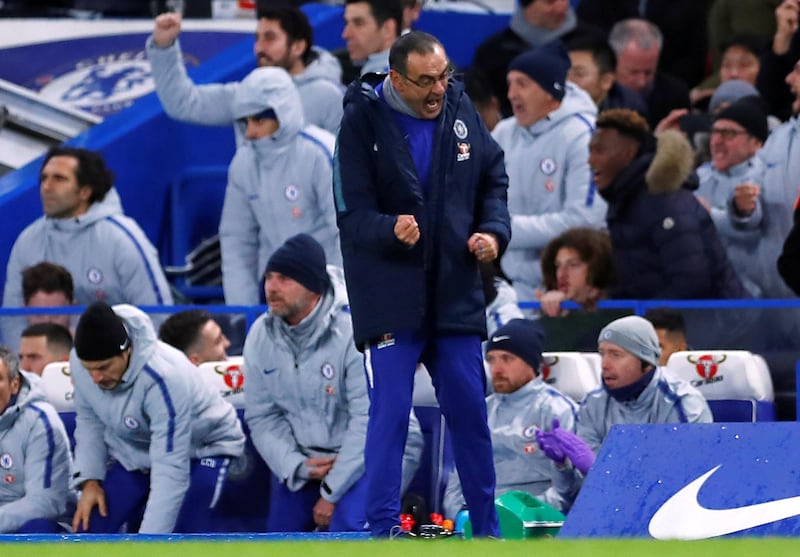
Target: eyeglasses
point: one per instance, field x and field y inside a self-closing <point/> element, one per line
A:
<point x="427" y="82"/>
<point x="727" y="133"/>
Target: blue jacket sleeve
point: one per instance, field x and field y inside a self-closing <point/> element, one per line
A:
<point x="354" y="184"/>
<point x="493" y="213"/>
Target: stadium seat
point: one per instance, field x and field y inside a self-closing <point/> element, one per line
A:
<point x="245" y="503"/>
<point x="572" y="373"/>
<point x="227" y="377"/>
<point x="57" y="384"/>
<point x="195" y="200"/>
<point x="437" y="455"/>
<point x="596" y="362"/>
<point x="736" y="385"/>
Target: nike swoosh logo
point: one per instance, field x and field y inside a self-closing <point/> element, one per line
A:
<point x="271" y="370"/>
<point x="500" y="337"/>
<point x="682" y="516"/>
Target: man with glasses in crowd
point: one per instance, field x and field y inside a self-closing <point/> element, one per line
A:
<point x="420" y="190"/>
<point x="730" y="185"/>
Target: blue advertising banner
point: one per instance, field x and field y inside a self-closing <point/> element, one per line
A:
<point x="691" y="482"/>
<point x="101" y="74"/>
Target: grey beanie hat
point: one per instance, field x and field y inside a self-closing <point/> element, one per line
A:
<point x="636" y="335"/>
<point x="729" y="92"/>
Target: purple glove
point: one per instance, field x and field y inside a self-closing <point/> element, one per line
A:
<point x="559" y="444"/>
<point x="550" y="445"/>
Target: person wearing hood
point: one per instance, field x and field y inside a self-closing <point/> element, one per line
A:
<point x="35" y="496"/>
<point x="520" y="404"/>
<point x="306" y="403"/>
<point x="665" y="243"/>
<point x="151" y="441"/>
<point x="284" y="39"/>
<point x="278" y="184"/>
<point x="84" y="230"/>
<point x="420" y="192"/>
<point x="635" y="390"/>
<point x="546" y="144"/>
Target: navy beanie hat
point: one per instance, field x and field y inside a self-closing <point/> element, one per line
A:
<point x="301" y="258"/>
<point x="100" y="334"/>
<point x="521" y="337"/>
<point x="750" y="113"/>
<point x="547" y="65"/>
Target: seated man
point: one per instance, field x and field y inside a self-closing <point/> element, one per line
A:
<point x="195" y="333"/>
<point x="665" y="244"/>
<point x="36" y="462"/>
<point x="306" y="403"/>
<point x="42" y="344"/>
<point x="670" y="328"/>
<point x="279" y="184"/>
<point x="152" y="442"/>
<point x="635" y="391"/>
<point x="521" y="404"/>
<point x="84" y="229"/>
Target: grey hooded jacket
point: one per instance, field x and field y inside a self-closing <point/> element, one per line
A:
<point x="108" y="255"/>
<point x="741" y="235"/>
<point x="319" y="87"/>
<point x="278" y="186"/>
<point x="307" y="394"/>
<point x="35" y="460"/>
<point x="157" y="419"/>
<point x="549" y="184"/>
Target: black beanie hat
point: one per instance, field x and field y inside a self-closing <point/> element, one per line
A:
<point x="750" y="113"/>
<point x="100" y="334"/>
<point x="547" y="65"/>
<point x="301" y="258"/>
<point x="521" y="337"/>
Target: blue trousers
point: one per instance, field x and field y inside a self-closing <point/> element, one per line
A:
<point x="127" y="491"/>
<point x="456" y="368"/>
<point x="41" y="526"/>
<point x="292" y="511"/>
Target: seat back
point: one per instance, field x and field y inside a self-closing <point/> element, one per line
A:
<point x="727" y="378"/>
<point x="244" y="505"/>
<point x="57" y="384"/>
<point x="571" y="373"/>
<point x="195" y="199"/>
<point x="227" y="377"/>
<point x="595" y="361"/>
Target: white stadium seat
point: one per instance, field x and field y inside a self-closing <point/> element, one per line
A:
<point x="571" y="373"/>
<point x="57" y="384"/>
<point x="727" y="379"/>
<point x="227" y="377"/>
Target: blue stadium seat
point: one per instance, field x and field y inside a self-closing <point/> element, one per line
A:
<point x="195" y="200"/>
